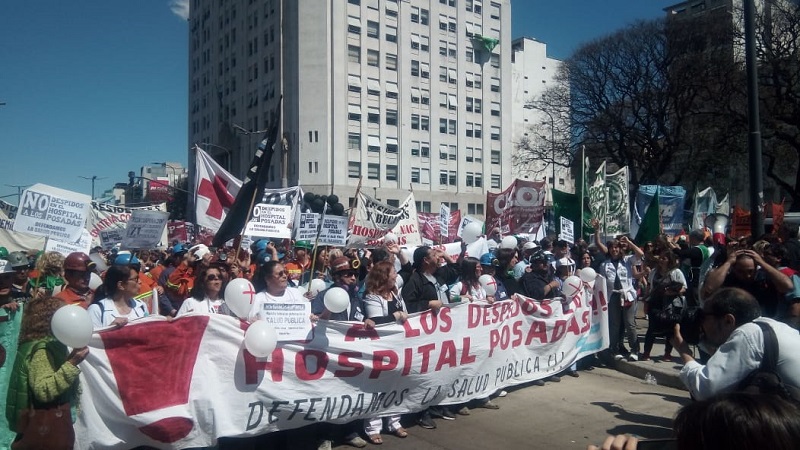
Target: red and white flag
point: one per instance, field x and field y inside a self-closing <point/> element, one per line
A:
<point x="215" y="191"/>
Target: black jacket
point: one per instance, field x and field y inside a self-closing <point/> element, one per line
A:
<point x="418" y="290"/>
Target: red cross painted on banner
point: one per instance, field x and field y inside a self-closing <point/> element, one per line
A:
<point x="217" y="194"/>
<point x="250" y="290"/>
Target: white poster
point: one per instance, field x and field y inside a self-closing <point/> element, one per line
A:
<point x="342" y="373"/>
<point x="372" y="220"/>
<point x="145" y="229"/>
<point x="52" y="212"/>
<point x="333" y="231"/>
<point x="65" y="248"/>
<point x="292" y="321"/>
<point x="269" y="220"/>
<point x="112" y="237"/>
<point x="567" y="230"/>
<point x="444" y="219"/>
<point x="107" y="217"/>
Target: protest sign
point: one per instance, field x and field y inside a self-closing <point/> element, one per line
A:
<point x="107" y="217"/>
<point x="518" y="209"/>
<point x="292" y="321"/>
<point x="145" y="229"/>
<point x="567" y="230"/>
<point x="111" y="237"/>
<point x="444" y="219"/>
<point x="618" y="216"/>
<point x="270" y="221"/>
<point x="65" y="248"/>
<point x="466" y="220"/>
<point x="333" y="231"/>
<point x="430" y="226"/>
<point x="177" y="231"/>
<point x="52" y="212"/>
<point x="343" y="373"/>
<point x="12" y="240"/>
<point x="372" y="220"/>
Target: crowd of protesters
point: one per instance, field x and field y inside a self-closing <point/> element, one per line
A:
<point x="386" y="284"/>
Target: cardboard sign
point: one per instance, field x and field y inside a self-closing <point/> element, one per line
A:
<point x="292" y="321"/>
<point x="145" y="229"/>
<point x="333" y="231"/>
<point x="65" y="248"/>
<point x="270" y="221"/>
<point x="567" y="230"/>
<point x="52" y="212"/>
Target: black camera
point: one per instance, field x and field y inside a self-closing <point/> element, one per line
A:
<point x="692" y="325"/>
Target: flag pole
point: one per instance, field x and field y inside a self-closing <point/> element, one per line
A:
<point x="583" y="184"/>
<point x="605" y="197"/>
<point x="354" y="207"/>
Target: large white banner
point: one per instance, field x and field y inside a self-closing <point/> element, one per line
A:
<point x="52" y="212"/>
<point x="106" y="217"/>
<point x="372" y="220"/>
<point x="207" y="385"/>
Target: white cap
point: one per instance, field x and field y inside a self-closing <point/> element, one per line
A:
<point x="199" y="251"/>
<point x="565" y="262"/>
<point x="530" y="245"/>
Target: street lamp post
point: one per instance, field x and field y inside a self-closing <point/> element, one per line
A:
<point x="228" y="154"/>
<point x="93" y="178"/>
<point x="19" y="187"/>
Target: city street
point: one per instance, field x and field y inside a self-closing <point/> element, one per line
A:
<point x="568" y="415"/>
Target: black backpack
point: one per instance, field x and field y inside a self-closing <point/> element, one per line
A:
<point x="765" y="379"/>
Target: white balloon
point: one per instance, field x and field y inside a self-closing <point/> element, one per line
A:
<point x="489" y="284"/>
<point x="509" y="242"/>
<point x="239" y="296"/>
<point x="72" y="326"/>
<point x="95" y="281"/>
<point x="572" y="286"/>
<point x="588" y="276"/>
<point x="471" y="232"/>
<point x="336" y="300"/>
<point x="390" y="238"/>
<point x="316" y="286"/>
<point x="302" y="289"/>
<point x="260" y="339"/>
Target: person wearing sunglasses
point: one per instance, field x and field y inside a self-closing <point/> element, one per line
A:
<point x="120" y="305"/>
<point x="344" y="273"/>
<point x="271" y="283"/>
<point x="206" y="296"/>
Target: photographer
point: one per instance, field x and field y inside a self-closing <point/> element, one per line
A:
<point x="727" y="323"/>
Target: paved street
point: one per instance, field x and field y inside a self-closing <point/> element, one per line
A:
<point x="566" y="415"/>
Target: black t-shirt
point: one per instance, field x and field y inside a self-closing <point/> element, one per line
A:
<point x="532" y="285"/>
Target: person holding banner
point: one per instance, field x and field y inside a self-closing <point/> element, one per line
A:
<point x="207" y="293"/>
<point x="78" y="268"/>
<point x="271" y="283"/>
<point x="468" y="288"/>
<point x="345" y="275"/>
<point x="121" y="286"/>
<point x="383" y="305"/>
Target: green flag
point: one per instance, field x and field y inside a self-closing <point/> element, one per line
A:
<point x="488" y="43"/>
<point x="650" y="227"/>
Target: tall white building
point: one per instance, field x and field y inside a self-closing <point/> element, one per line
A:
<point x="400" y="93"/>
<point x="532" y="72"/>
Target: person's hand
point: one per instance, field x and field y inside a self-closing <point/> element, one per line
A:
<point x="11" y="306"/>
<point x="677" y="341"/>
<point x="308" y="295"/>
<point x="490" y="299"/>
<point x="618" y="442"/>
<point x="400" y="316"/>
<point x="369" y="324"/>
<point x="435" y="305"/>
<point x="314" y="318"/>
<point x="595" y="223"/>
<point x="120" y="322"/>
<point x="160" y="289"/>
<point x="78" y="355"/>
<point x="756" y="257"/>
<point x="393" y="248"/>
<point x="732" y="255"/>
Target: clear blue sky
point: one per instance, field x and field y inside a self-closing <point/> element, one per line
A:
<point x="98" y="87"/>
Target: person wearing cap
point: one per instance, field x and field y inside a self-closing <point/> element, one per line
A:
<point x="344" y="272"/>
<point x="20" y="286"/>
<point x="488" y="266"/>
<point x="539" y="284"/>
<point x="301" y="263"/>
<point x="425" y="290"/>
<point x="181" y="280"/>
<point x="78" y="268"/>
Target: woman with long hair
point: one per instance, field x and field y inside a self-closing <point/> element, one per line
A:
<point x="45" y="376"/>
<point x="383" y="305"/>
<point x="665" y="302"/>
<point x="207" y="293"/>
<point x="271" y="283"/>
<point x="121" y="286"/>
<point x="469" y="288"/>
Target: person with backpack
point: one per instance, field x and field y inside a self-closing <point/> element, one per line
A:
<point x="745" y="343"/>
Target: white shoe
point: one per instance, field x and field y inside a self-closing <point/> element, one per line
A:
<point x="618" y="357"/>
<point x="324" y="445"/>
<point x="502" y="393"/>
<point x="633" y="357"/>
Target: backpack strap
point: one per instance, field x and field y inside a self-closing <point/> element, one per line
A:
<point x="770" y="361"/>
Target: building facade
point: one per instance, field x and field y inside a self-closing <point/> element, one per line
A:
<point x="532" y="72"/>
<point x="396" y="94"/>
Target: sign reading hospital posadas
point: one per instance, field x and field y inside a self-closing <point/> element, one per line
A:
<point x="270" y="221"/>
<point x="52" y="212"/>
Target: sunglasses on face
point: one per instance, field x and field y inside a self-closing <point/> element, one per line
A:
<point x="213" y="277"/>
<point x="349" y="274"/>
<point x="280" y="274"/>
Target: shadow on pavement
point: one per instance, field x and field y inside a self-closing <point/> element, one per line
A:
<point x="681" y="400"/>
<point x="643" y="425"/>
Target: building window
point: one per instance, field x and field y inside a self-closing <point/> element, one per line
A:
<point x="415" y="14"/>
<point x="354" y="141"/>
<point x="393" y="202"/>
<point x="373" y="87"/>
<point x="495" y="84"/>
<point x="354" y="113"/>
<point x="415" y="174"/>
<point x="414" y="42"/>
<point x="354" y="169"/>
<point x="415" y="121"/>
<point x="391" y="61"/>
<point x="414" y="148"/>
<point x="443" y="126"/>
<point x="425" y="150"/>
<point x="424" y="17"/>
<point x="426" y="97"/>
<point x="443" y="177"/>
<point x="495" y="157"/>
<point x="478" y="103"/>
<point x="391" y="33"/>
<point x="425" y="43"/>
<point x="452" y="126"/>
<point x="373" y="58"/>
<point x="392" y="145"/>
<point x="423" y="206"/>
<point x="495" y="133"/>
<point x="475" y="208"/>
<point x="373" y="171"/>
<point x="391" y="90"/>
<point x="414" y="95"/>
<point x="495" y="61"/>
<point x="494" y="11"/>
<point x="391" y="172"/>
<point x="425" y="123"/>
<point x="391" y="117"/>
<point x="353" y="83"/>
<point x="373" y="116"/>
<point x="373" y="144"/>
<point x="477" y="131"/>
<point x="495" y="182"/>
<point x="469" y="104"/>
<point x="443" y="151"/>
<point x="425" y="70"/>
<point x="414" y="68"/>
<point x="470" y="179"/>
<point x="354" y="54"/>
<point x="373" y="29"/>
<point x="353" y="25"/>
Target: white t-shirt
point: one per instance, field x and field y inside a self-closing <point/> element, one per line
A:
<point x="205" y="306"/>
<point x="105" y="311"/>
<point x="291" y="295"/>
<point x="478" y="294"/>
